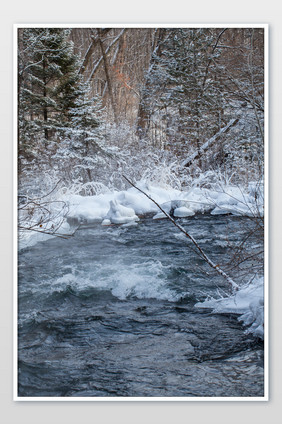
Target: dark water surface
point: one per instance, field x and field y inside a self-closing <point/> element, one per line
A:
<point x="110" y="312"/>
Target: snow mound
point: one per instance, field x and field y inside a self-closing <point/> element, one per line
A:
<point x="233" y="200"/>
<point x="247" y="302"/>
<point x="119" y="214"/>
<point x="177" y="208"/>
<point x="30" y="238"/>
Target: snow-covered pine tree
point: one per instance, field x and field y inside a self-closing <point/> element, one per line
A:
<point x="181" y="93"/>
<point x="50" y="89"/>
<point x="84" y="143"/>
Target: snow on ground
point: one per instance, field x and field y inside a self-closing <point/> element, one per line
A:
<point x="119" y="214"/>
<point x="247" y="302"/>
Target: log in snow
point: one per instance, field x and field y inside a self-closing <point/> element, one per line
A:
<point x="208" y="143"/>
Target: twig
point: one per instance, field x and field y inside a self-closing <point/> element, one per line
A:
<point x="64" y="236"/>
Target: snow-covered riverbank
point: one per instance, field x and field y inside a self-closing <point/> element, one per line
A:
<point x="247" y="303"/>
<point x="123" y="207"/>
<point x="127" y="206"/>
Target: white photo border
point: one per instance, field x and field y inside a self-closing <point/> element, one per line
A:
<point x="15" y="217"/>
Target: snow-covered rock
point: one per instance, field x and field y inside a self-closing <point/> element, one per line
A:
<point x="183" y="212"/>
<point x="178" y="208"/>
<point x="159" y="215"/>
<point x="231" y="200"/>
<point x="106" y="221"/>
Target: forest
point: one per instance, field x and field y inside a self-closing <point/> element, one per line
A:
<point x="141" y="179"/>
<point x="96" y="98"/>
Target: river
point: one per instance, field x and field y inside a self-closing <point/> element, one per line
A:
<point x="110" y="312"/>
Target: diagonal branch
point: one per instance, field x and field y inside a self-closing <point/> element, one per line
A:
<point x="98" y="63"/>
<point x="234" y="286"/>
<point x="208" y="143"/>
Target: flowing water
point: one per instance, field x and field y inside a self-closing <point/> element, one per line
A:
<point x="110" y="312"/>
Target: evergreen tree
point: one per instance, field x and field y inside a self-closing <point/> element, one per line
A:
<point x="84" y="132"/>
<point x="50" y="87"/>
<point x="180" y="89"/>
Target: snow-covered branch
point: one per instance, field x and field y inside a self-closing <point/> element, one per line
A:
<point x="210" y="142"/>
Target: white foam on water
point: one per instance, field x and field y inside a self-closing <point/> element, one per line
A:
<point x="144" y="280"/>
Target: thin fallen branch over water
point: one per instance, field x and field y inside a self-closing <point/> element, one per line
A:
<point x="216" y="267"/>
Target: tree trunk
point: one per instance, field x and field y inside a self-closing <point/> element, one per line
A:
<point x="198" y="154"/>
<point x="108" y="77"/>
<point x="45" y="111"/>
<point x="144" y="115"/>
